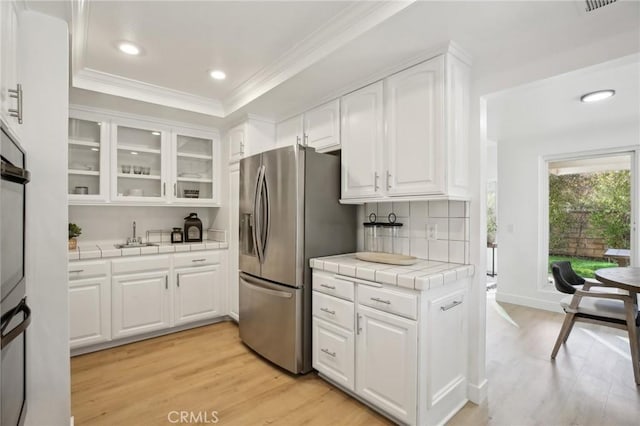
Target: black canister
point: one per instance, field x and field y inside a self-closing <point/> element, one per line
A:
<point x="192" y="228"/>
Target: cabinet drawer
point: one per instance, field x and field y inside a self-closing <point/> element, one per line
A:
<point x="94" y="268"/>
<point x="388" y="300"/>
<point x="332" y="309"/>
<point x="140" y="264"/>
<point x="188" y="260"/>
<point x="334" y="353"/>
<point x="329" y="284"/>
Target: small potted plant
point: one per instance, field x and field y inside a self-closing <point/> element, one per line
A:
<point x="74" y="231"/>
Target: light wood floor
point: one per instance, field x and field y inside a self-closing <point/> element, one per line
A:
<point x="208" y="369"/>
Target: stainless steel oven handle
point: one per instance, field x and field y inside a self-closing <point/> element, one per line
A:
<point x="7" y="338"/>
<point x="277" y="293"/>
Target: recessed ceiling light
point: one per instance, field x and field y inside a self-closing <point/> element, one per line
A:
<point x="155" y="133"/>
<point x="134" y="153"/>
<point x="129" y="48"/>
<point x="218" y="75"/>
<point x="95" y="149"/>
<point x="598" y="95"/>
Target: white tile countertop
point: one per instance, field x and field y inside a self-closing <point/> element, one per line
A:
<point x="101" y="250"/>
<point x="424" y="275"/>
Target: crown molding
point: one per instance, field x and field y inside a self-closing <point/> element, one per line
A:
<point x="127" y="88"/>
<point x="353" y="22"/>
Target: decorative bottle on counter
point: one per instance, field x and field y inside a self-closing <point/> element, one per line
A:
<point x="192" y="228"/>
<point x="176" y="235"/>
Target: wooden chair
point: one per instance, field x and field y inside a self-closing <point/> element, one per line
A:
<point x="587" y="304"/>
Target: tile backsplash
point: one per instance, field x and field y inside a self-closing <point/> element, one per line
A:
<point x="435" y="230"/>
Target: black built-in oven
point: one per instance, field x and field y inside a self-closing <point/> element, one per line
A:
<point x="16" y="315"/>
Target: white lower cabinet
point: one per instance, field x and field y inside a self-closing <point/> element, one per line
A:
<point x="333" y="352"/>
<point x="404" y="352"/>
<point x="140" y="303"/>
<point x="386" y="362"/>
<point x="89" y="311"/>
<point x="197" y="294"/>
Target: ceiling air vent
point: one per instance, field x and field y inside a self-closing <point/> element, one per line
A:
<point x="596" y="4"/>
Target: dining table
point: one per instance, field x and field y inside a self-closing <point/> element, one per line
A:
<point x="626" y="278"/>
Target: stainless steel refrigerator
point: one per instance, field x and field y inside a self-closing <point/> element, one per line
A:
<point x="289" y="213"/>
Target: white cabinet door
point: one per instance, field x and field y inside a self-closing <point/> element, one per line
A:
<point x="197" y="294"/>
<point x="322" y="127"/>
<point x="289" y="132"/>
<point x="414" y="108"/>
<point x="88" y="168"/>
<point x="89" y="311"/>
<point x="386" y="362"/>
<point x="195" y="168"/>
<point x="446" y="345"/>
<point x="362" y="133"/>
<point x="333" y="352"/>
<point x="140" y="162"/>
<point x="234" y="244"/>
<point x="237" y="143"/>
<point x="140" y="303"/>
<point x="9" y="77"/>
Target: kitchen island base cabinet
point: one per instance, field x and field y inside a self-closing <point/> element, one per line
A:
<point x="386" y="360"/>
<point x="89" y="311"/>
<point x="197" y="295"/>
<point x="140" y="303"/>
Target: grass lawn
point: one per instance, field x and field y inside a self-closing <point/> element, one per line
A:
<point x="583" y="267"/>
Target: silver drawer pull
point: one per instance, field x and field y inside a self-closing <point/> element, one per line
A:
<point x="76" y="271"/>
<point x="377" y="299"/>
<point x="199" y="260"/>
<point x="451" y="305"/>
<point x="328" y="311"/>
<point x="330" y="287"/>
<point x="331" y="354"/>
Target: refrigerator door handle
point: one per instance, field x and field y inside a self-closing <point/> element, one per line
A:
<point x="257" y="215"/>
<point x="266" y="219"/>
<point x="7" y="338"/>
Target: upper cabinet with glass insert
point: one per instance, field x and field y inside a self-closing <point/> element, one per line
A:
<point x="88" y="158"/>
<point x="138" y="163"/>
<point x="194" y="166"/>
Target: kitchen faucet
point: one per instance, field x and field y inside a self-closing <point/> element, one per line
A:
<point x="134" y="240"/>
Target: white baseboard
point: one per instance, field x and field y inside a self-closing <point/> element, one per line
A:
<point x="530" y="302"/>
<point x="477" y="393"/>
<point x="71" y="421"/>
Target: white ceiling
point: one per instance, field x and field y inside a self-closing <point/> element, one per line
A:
<point x="553" y="107"/>
<point x="255" y="41"/>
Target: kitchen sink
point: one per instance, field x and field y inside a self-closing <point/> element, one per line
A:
<point x="134" y="245"/>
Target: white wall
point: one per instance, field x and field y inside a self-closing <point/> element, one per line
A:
<point x="44" y="73"/>
<point x="521" y="171"/>
<point x="107" y="223"/>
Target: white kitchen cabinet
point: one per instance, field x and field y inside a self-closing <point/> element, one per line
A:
<point x="140" y="162"/>
<point x="318" y="128"/>
<point x="425" y="148"/>
<point x="446" y="345"/>
<point x="334" y="352"/>
<point x="290" y="132"/>
<point x="386" y="362"/>
<point x="414" y="109"/>
<point x="322" y="127"/>
<point x="11" y="108"/>
<point x="88" y="167"/>
<point x="234" y="243"/>
<point x="251" y="137"/>
<point x="140" y="303"/>
<point x="89" y="311"/>
<point x="198" y="294"/>
<point x="362" y="135"/>
<point x="195" y="167"/>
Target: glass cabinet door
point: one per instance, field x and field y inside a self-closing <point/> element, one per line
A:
<point x="138" y="164"/>
<point x="87" y="160"/>
<point x="194" y="164"/>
